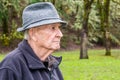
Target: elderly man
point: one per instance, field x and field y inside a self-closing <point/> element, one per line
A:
<point x="32" y="59"/>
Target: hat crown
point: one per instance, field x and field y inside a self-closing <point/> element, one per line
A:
<point x="37" y="12"/>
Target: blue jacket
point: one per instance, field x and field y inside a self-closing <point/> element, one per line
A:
<point x="23" y="64"/>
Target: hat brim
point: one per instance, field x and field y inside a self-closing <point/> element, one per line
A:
<point x="44" y="22"/>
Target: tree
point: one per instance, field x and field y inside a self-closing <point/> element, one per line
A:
<point x="4" y="16"/>
<point x="104" y="17"/>
<point x="9" y="10"/>
<point x="84" y="33"/>
<point x="115" y="21"/>
<point x="9" y="20"/>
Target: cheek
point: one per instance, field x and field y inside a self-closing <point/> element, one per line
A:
<point x="44" y="39"/>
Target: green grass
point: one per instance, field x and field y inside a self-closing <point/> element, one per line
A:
<point x="97" y="67"/>
<point x="2" y="56"/>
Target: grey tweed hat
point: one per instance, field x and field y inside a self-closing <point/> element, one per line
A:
<point x="39" y="14"/>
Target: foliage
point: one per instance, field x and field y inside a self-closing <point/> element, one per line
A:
<point x="115" y="21"/>
<point x="95" y="30"/>
<point x="6" y="40"/>
<point x="71" y="11"/>
<point x="10" y="11"/>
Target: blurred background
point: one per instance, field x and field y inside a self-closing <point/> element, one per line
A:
<point x="91" y="24"/>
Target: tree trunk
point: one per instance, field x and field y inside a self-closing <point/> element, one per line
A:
<point x="83" y="45"/>
<point x="108" y="44"/>
<point x="84" y="34"/>
<point x="104" y="17"/>
<point x="5" y="26"/>
<point x="107" y="33"/>
<point x="53" y="1"/>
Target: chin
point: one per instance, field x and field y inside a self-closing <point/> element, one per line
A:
<point x="56" y="48"/>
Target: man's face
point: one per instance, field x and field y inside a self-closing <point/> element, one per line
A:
<point x="48" y="36"/>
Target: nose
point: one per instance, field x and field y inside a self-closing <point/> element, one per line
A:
<point x="59" y="33"/>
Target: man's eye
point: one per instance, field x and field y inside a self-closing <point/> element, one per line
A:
<point x="53" y="28"/>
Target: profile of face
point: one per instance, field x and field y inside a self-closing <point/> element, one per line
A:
<point x="47" y="36"/>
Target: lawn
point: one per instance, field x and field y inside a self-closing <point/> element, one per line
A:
<point x="97" y="67"/>
<point x="2" y="56"/>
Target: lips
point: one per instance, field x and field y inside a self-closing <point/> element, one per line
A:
<point x="56" y="41"/>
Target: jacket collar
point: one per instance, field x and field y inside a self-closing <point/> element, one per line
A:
<point x="33" y="61"/>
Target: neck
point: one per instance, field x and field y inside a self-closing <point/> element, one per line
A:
<point x="42" y="53"/>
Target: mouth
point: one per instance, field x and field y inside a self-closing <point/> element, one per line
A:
<point x="56" y="41"/>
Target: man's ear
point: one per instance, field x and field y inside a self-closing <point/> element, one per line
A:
<point x="32" y="34"/>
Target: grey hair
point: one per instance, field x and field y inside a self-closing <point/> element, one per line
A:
<point x="26" y="35"/>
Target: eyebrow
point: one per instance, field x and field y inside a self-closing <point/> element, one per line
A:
<point x="47" y="25"/>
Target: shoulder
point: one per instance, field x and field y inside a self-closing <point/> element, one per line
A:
<point x="12" y="60"/>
